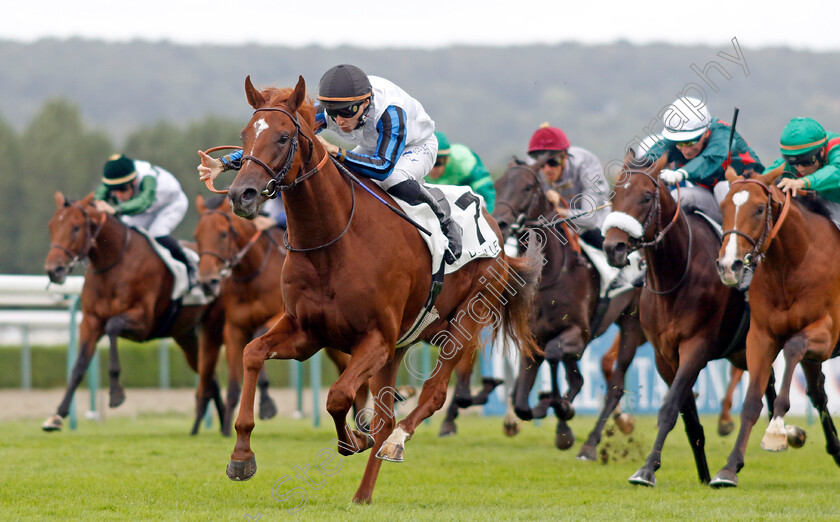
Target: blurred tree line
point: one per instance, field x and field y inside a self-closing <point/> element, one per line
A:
<point x="57" y="151"/>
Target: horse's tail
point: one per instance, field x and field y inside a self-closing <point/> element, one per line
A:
<point x="523" y="278"/>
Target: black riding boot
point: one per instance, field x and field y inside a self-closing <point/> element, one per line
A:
<point x="177" y="252"/>
<point x="413" y="192"/>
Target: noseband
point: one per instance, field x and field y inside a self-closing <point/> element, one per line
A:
<point x="277" y="176"/>
<point x="768" y="231"/>
<point x="90" y="241"/>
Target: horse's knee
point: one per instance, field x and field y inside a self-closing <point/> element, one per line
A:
<point x="339" y="402"/>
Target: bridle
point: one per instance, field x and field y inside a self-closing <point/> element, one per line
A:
<point x="229" y="264"/>
<point x="768" y="231"/>
<point x="522" y="222"/>
<point x="90" y="241"/>
<point x="655" y="215"/>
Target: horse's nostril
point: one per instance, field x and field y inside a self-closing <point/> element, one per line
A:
<point x="737" y="265"/>
<point x="249" y="195"/>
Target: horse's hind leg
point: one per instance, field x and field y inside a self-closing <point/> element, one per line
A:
<point x="460" y="398"/>
<point x="696" y="437"/>
<point x="381" y="424"/>
<point x="90" y="331"/>
<point x="725" y="423"/>
<point x="528" y="369"/>
<point x="210" y="337"/>
<point x="816" y="392"/>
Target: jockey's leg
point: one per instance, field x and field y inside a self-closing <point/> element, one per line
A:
<point x="177" y="252"/>
<point x="699" y="198"/>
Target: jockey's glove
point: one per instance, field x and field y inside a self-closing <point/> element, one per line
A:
<point x="673" y="177"/>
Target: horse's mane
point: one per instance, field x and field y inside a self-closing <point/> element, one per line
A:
<point x="277" y="97"/>
<point x="812" y="203"/>
<point x="214" y="202"/>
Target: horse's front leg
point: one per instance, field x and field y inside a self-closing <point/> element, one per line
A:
<point x="114" y="327"/>
<point x="775" y="436"/>
<point x="761" y="351"/>
<point x="235" y="340"/>
<point x="283" y="341"/>
<point x="367" y="357"/>
<point x="692" y="358"/>
<point x="725" y="423"/>
<point x="90" y="330"/>
<point x="628" y="341"/>
<point x="528" y="369"/>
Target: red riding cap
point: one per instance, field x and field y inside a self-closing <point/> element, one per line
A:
<point x="548" y="138"/>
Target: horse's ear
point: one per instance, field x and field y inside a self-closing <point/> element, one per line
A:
<point x="296" y="99"/>
<point x="769" y="177"/>
<point x="731" y="175"/>
<point x="255" y="99"/>
<point x="88" y="200"/>
<point x="629" y="157"/>
<point x="199" y="204"/>
<point x="659" y="165"/>
<point x="60" y="200"/>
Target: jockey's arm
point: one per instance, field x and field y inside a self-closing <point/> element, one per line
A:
<point x="389" y="147"/>
<point x="142" y="201"/>
<point x="826" y="178"/>
<point x="101" y="192"/>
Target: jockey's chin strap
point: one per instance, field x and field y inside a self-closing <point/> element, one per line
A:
<point x="89" y="241"/>
<point x="768" y="232"/>
<point x="277" y="177"/>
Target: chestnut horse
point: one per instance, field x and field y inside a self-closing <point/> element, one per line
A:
<point x="687" y="314"/>
<point x="356" y="277"/>
<point x="566" y="305"/>
<point x="244" y="267"/>
<point x="792" y="247"/>
<point x="127" y="293"/>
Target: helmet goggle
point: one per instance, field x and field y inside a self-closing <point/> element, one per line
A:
<point x="803" y="160"/>
<point x="345" y="112"/>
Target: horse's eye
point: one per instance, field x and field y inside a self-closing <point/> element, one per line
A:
<point x="529" y="188"/>
<point x="648" y="197"/>
<point x="759" y="210"/>
<point x="224" y="235"/>
<point x="76" y="229"/>
<point x="284" y="139"/>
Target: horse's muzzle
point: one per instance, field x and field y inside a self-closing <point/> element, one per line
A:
<point x="57" y="273"/>
<point x="617" y="253"/>
<point x="245" y="201"/>
<point x="731" y="274"/>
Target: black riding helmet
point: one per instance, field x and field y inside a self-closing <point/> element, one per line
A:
<point x="344" y="86"/>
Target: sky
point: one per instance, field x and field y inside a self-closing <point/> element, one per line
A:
<point x="801" y="25"/>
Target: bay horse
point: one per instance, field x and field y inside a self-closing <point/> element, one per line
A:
<point x="687" y="314"/>
<point x="565" y="309"/>
<point x="244" y="267"/>
<point x="356" y="278"/>
<point x="127" y="293"/>
<point x="792" y="247"/>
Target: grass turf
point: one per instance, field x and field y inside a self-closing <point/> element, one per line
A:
<point x="150" y="469"/>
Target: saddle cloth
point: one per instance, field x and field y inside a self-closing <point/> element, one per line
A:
<point x="181" y="285"/>
<point x="465" y="206"/>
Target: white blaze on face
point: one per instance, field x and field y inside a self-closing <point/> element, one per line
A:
<point x="259" y="126"/>
<point x="731" y="252"/>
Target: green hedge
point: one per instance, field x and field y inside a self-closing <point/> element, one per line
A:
<point x="140" y="367"/>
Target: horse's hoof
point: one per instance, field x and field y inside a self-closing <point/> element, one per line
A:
<point x="53" y="423"/>
<point x="268" y="409"/>
<point x="625" y="423"/>
<point x="724" y="479"/>
<point x="643" y="477"/>
<point x="588" y="453"/>
<point x="448" y="428"/>
<point x="774" y="442"/>
<point x="795" y="436"/>
<point x="463" y="401"/>
<point x="564" y="439"/>
<point x="390" y="451"/>
<point x="525" y="414"/>
<point x="564" y="410"/>
<point x="117" y="397"/>
<point x="725" y="428"/>
<point x="510" y="428"/>
<point x="241" y="469"/>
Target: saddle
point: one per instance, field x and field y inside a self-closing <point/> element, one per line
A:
<point x="181" y="288"/>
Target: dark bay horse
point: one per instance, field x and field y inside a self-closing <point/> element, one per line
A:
<point x="244" y="267"/>
<point x="687" y="314"/>
<point x="565" y="309"/>
<point x="127" y="293"/>
<point x="793" y="248"/>
<point x="356" y="278"/>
